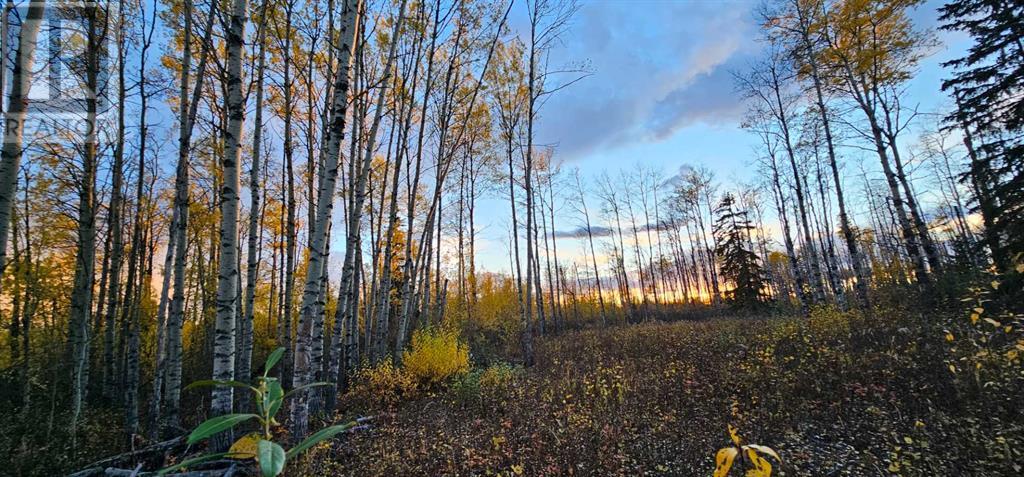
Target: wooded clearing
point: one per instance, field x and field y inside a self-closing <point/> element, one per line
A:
<point x="511" y="237"/>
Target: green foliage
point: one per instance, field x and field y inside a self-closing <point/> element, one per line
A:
<point x="490" y="322"/>
<point x="607" y="387"/>
<point x="271" y="458"/>
<point x="986" y="341"/>
<point x="485" y="387"/>
<point x="989" y="93"/>
<point x="217" y="425"/>
<point x="268" y="395"/>
<point x="735" y="251"/>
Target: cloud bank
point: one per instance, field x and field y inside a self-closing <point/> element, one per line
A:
<point x="657" y="67"/>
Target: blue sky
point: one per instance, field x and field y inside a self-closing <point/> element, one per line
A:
<point x="661" y="94"/>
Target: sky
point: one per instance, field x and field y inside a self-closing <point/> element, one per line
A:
<point x="661" y="95"/>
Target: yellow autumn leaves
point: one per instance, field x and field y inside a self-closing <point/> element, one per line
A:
<point x="245" y="446"/>
<point x="435" y="356"/>
<point x="750" y="454"/>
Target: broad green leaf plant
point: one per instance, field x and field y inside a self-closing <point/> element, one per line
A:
<point x="268" y="396"/>
<point x="751" y="454"/>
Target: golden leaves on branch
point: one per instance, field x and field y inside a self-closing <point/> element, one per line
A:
<point x="751" y="455"/>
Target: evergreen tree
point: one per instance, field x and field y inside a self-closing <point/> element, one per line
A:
<point x="735" y="251"/>
<point x="988" y="85"/>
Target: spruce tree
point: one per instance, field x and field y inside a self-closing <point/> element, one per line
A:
<point x="988" y="85"/>
<point x="738" y="262"/>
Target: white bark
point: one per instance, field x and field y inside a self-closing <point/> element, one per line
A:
<point x="114" y="227"/>
<point x="14" y="120"/>
<point x="85" y="255"/>
<point x="178" y="243"/>
<point x="244" y="359"/>
<point x="352" y="228"/>
<point x="325" y="203"/>
<point x="227" y="280"/>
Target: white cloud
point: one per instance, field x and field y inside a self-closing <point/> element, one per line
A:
<point x="657" y="67"/>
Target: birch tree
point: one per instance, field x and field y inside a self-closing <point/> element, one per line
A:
<point x="14" y="118"/>
<point x="227" y="281"/>
<point x="244" y="357"/>
<point x="95" y="27"/>
<point x="807" y="51"/>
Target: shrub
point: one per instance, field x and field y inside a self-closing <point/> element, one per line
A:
<point x="466" y="388"/>
<point x="607" y="386"/>
<point x="383" y="384"/>
<point x="486" y="385"/>
<point x="985" y="341"/>
<point x="828" y="321"/>
<point x="499" y="377"/>
<point x="436" y="355"/>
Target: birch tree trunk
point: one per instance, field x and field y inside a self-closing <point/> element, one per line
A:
<point x="593" y="251"/>
<point x="114" y="225"/>
<point x="384" y="293"/>
<point x="782" y="116"/>
<point x="325" y="203"/>
<point x="138" y="246"/>
<point x="859" y="266"/>
<point x="243" y="364"/>
<point x="314" y="271"/>
<point x="867" y="99"/>
<point x="825" y="234"/>
<point x="129" y="320"/>
<point x="346" y="321"/>
<point x="652" y="272"/>
<point x="85" y="256"/>
<point x="526" y="340"/>
<point x="527" y="337"/>
<point x="931" y="252"/>
<point x="780" y="200"/>
<point x="291" y="238"/>
<point x="350" y="296"/>
<point x="227" y="280"/>
<point x="178" y="243"/>
<point x="410" y="269"/>
<point x="910" y="237"/>
<point x="552" y="298"/>
<point x="14" y="120"/>
<point x="636" y="253"/>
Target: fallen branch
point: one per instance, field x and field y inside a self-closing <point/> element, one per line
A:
<point x="98" y="468"/>
<point x="228" y="472"/>
<point x="113" y="466"/>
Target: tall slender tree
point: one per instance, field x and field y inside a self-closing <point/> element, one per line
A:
<point x="227" y="281"/>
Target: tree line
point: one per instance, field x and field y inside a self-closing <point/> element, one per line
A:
<point x="123" y="281"/>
